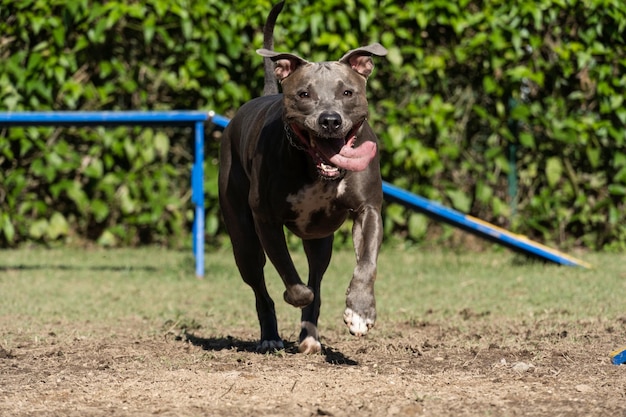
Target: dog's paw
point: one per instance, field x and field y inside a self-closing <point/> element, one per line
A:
<point x="270" y="346"/>
<point x="359" y="326"/>
<point x="310" y="346"/>
<point x="299" y="295"/>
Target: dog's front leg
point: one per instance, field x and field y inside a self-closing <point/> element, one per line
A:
<point x="318" y="253"/>
<point x="273" y="241"/>
<point x="367" y="234"/>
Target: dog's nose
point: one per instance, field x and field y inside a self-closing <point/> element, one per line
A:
<point x="330" y="121"/>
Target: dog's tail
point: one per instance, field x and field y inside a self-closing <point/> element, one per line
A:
<point x="270" y="86"/>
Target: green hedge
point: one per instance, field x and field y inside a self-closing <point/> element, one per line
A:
<point x="511" y="111"/>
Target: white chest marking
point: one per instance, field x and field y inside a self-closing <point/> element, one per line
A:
<point x="341" y="188"/>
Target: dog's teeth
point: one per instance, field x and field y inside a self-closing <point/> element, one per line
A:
<point x="326" y="167"/>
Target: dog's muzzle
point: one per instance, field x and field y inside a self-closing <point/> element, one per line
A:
<point x="333" y="155"/>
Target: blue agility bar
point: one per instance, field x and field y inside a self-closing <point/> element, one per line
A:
<point x="195" y="119"/>
<point x="95" y="118"/>
<point x="515" y="242"/>
<point x="218" y="120"/>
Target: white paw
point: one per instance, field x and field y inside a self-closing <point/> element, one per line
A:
<point x="310" y="346"/>
<point x="358" y="325"/>
<point x="270" y="345"/>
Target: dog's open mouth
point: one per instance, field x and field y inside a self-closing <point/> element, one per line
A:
<point x="333" y="156"/>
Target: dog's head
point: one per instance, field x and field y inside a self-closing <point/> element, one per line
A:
<point x="325" y="106"/>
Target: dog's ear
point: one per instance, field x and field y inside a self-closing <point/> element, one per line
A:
<point x="360" y="59"/>
<point x="285" y="63"/>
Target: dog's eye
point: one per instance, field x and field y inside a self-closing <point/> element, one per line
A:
<point x="303" y="94"/>
<point x="347" y="93"/>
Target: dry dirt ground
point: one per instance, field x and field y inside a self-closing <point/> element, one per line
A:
<point x="402" y="369"/>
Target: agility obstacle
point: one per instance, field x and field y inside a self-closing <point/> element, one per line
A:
<point x="518" y="243"/>
<point x="194" y="119"/>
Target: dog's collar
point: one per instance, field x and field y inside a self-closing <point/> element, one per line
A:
<point x="292" y="137"/>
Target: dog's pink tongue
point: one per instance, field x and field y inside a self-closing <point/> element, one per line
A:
<point x="354" y="159"/>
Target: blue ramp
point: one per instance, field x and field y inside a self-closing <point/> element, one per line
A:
<point x="518" y="243"/>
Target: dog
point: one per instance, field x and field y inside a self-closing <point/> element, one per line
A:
<point x="306" y="160"/>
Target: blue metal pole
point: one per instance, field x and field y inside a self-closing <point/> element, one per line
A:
<point x="218" y="120"/>
<point x="162" y="118"/>
<point x="197" y="197"/>
<point x="141" y="118"/>
<point x="478" y="227"/>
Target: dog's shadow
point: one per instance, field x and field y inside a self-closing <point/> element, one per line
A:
<point x="331" y="355"/>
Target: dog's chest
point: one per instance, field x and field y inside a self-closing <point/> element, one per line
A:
<point x="316" y="209"/>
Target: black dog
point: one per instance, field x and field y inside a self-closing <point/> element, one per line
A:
<point x="306" y="159"/>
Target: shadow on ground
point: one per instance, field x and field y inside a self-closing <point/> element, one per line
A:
<point x="332" y="356"/>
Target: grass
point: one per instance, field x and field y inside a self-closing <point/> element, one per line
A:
<point x="83" y="331"/>
<point x="40" y="289"/>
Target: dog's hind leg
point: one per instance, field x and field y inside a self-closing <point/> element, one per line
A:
<point x="318" y="252"/>
<point x="250" y="260"/>
<point x="249" y="255"/>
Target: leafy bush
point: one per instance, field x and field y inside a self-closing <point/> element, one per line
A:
<point x="532" y="90"/>
<point x="511" y="111"/>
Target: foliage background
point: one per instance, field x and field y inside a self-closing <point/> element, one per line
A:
<point x="511" y="111"/>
